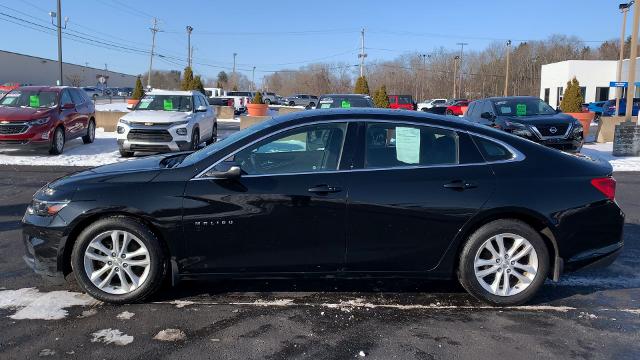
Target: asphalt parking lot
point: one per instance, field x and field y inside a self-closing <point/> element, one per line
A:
<point x="588" y="315"/>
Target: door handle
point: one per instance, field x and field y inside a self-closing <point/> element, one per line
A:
<point x="324" y="189"/>
<point x="460" y="185"/>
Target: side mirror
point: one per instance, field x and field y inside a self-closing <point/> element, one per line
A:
<point x="487" y="115"/>
<point x="201" y="108"/>
<point x="234" y="172"/>
<point x="130" y="106"/>
<point x="68" y="106"/>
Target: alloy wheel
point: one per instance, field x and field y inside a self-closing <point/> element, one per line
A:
<point x="117" y="262"/>
<point x="92" y="131"/>
<point x="506" y="264"/>
<point x="59" y="140"/>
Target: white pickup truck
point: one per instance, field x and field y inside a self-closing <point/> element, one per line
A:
<point x="237" y="99"/>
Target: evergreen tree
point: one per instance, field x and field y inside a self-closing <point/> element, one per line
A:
<point x="197" y="84"/>
<point x="381" y="98"/>
<point x="257" y="99"/>
<point x="187" y="79"/>
<point x="572" y="99"/>
<point x="362" y="86"/>
<point x="138" y="91"/>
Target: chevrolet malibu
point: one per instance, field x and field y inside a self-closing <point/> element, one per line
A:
<point x="340" y="192"/>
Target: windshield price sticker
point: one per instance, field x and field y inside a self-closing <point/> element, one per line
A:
<point x="521" y="109"/>
<point x="168" y="104"/>
<point x="34" y="101"/>
<point x="325" y="106"/>
<point x="346" y="104"/>
<point x="326" y="101"/>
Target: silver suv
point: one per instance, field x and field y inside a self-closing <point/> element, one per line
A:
<point x="305" y="100"/>
<point x="166" y="121"/>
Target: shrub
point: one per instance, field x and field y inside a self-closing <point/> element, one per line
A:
<point x="362" y="86"/>
<point x="197" y="84"/>
<point x="257" y="99"/>
<point x="381" y="98"/>
<point x="572" y="99"/>
<point x="138" y="91"/>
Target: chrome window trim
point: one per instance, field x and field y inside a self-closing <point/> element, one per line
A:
<point x="516" y="154"/>
<point x="539" y="135"/>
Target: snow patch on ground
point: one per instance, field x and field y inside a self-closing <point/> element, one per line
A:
<point x="116" y="106"/>
<point x="112" y="336"/>
<point x="603" y="152"/>
<point x="170" y="335"/>
<point x="104" y="150"/>
<point x="234" y="120"/>
<point x="280" y="302"/>
<point x="181" y="303"/>
<point x="88" y="313"/>
<point x="32" y="304"/>
<point x="46" y="352"/>
<point x="125" y="315"/>
<point x="586" y="315"/>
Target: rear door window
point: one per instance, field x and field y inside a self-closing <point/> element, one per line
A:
<point x="65" y="98"/>
<point x="76" y="97"/>
<point x="397" y="145"/>
<point x="491" y="150"/>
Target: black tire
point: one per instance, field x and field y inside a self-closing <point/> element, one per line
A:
<point x="214" y="135"/>
<point x="311" y="104"/>
<point x="158" y="268"/>
<point x="91" y="132"/>
<point x="448" y="112"/>
<point x="292" y="103"/>
<point x="195" y="139"/>
<point x="57" y="143"/>
<point x="125" y="153"/>
<point x="466" y="272"/>
<point x="267" y="102"/>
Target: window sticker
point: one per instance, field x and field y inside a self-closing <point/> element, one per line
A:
<point x="521" y="109"/>
<point x="168" y="104"/>
<point x="346" y="104"/>
<point x="505" y="109"/>
<point x="500" y="102"/>
<point x="408" y="145"/>
<point x="8" y="100"/>
<point x="326" y="101"/>
<point x="34" y="101"/>
<point x="325" y="106"/>
<point x="144" y="104"/>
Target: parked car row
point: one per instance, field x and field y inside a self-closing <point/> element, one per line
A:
<point x="95" y="92"/>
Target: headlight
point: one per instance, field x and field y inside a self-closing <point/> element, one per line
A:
<point x="123" y="121"/>
<point x="39" y="121"/>
<point x="181" y="131"/>
<point x="46" y="208"/>
<point x="178" y="123"/>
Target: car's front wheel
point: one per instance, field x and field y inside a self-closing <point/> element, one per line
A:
<point x="195" y="139"/>
<point x="214" y="135"/>
<point x="504" y="263"/>
<point x="57" y="143"/>
<point x="118" y="260"/>
<point x="125" y="153"/>
<point x="91" y="133"/>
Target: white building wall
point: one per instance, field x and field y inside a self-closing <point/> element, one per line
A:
<point x="590" y="73"/>
<point x="25" y="69"/>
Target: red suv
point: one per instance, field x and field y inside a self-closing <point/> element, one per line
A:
<point x="401" y="102"/>
<point x="46" y="116"/>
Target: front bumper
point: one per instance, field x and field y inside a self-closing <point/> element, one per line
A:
<point x="44" y="240"/>
<point x="32" y="136"/>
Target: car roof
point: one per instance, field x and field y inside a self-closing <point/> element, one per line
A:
<point x="352" y="95"/>
<point x="43" y="87"/>
<point x="502" y="98"/>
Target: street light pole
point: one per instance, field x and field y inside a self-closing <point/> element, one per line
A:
<point x="624" y="9"/>
<point x="189" y="30"/>
<point x="253" y="77"/>
<point x="455" y="68"/>
<point x="154" y="30"/>
<point x="462" y="44"/>
<point x="631" y="89"/>
<point x="58" y="25"/>
<point x="506" y="73"/>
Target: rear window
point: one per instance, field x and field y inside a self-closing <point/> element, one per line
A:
<point x="492" y="151"/>
<point x="333" y="102"/>
<point x="238" y="93"/>
<point x="405" y="100"/>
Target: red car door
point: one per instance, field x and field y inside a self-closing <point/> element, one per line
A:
<point x="83" y="111"/>
<point x="69" y="115"/>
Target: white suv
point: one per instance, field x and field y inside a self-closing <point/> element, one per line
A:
<point x="165" y="121"/>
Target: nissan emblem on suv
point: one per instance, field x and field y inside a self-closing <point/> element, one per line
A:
<point x="553" y="130"/>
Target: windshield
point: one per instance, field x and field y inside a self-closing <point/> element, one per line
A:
<point x="217" y="146"/>
<point x="523" y="107"/>
<point x="30" y="98"/>
<point x="181" y="103"/>
<point x="405" y="99"/>
<point x="337" y="101"/>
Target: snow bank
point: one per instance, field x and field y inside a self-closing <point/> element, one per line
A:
<point x="117" y="106"/>
<point x="603" y="151"/>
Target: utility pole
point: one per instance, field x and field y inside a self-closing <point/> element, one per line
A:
<point x="631" y="89"/>
<point x="189" y="51"/>
<point x="421" y="78"/>
<point x="624" y="9"/>
<point x="234" y="63"/>
<point x="154" y="30"/>
<point x="506" y="74"/>
<point x="362" y="54"/>
<point x="462" y="44"/>
<point x="455" y="68"/>
<point x="253" y="77"/>
<point x="58" y="25"/>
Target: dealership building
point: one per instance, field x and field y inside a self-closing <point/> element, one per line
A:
<point x="594" y="77"/>
<point x="27" y="69"/>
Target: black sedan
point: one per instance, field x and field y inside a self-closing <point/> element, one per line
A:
<point x="530" y="118"/>
<point x="340" y="192"/>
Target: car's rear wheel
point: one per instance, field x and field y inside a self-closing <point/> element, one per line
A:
<point x="448" y="112"/>
<point x="214" y="135"/>
<point x="57" y="143"/>
<point x="291" y="103"/>
<point x="267" y="102"/>
<point x="195" y="139"/>
<point x="504" y="263"/>
<point x="118" y="260"/>
<point x="91" y="133"/>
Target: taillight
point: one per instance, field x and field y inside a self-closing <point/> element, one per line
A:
<point x="606" y="185"/>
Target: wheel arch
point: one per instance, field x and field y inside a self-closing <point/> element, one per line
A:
<point x="64" y="256"/>
<point x="537" y="221"/>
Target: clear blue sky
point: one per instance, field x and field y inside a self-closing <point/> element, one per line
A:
<point x="273" y="35"/>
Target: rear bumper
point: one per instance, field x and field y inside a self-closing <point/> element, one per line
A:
<point x="597" y="258"/>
